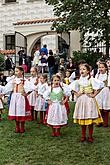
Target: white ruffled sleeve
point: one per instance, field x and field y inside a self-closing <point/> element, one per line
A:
<point x="1" y="88"/>
<point x="72" y="77"/>
<point x="28" y="87"/>
<point x="8" y="87"/>
<point x="108" y="80"/>
<point x="66" y="89"/>
<point x="46" y="94"/>
<point x="97" y="84"/>
<point x="74" y="86"/>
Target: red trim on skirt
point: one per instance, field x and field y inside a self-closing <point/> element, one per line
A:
<point x="53" y="126"/>
<point x="56" y="126"/>
<point x="27" y="116"/>
<point x="20" y="118"/>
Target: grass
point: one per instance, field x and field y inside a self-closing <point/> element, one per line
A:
<point x="37" y="147"/>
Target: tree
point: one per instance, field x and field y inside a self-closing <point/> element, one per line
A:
<point x="88" y="16"/>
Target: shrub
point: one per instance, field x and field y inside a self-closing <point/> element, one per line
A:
<point x="2" y="65"/>
<point x="89" y="57"/>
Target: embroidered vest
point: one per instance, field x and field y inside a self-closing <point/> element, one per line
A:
<point x="56" y="96"/>
<point x="19" y="88"/>
<point x="86" y="89"/>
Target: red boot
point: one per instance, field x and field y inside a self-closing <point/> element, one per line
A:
<point x="106" y="116"/>
<point x="44" y="116"/>
<point x="17" y="127"/>
<point x="32" y="112"/>
<point x="41" y="117"/>
<point x="22" y="130"/>
<point x="83" y="138"/>
<point x="90" y="138"/>
<point x="58" y="132"/>
<point x="53" y="132"/>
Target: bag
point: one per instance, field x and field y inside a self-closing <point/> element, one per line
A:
<point x="43" y="60"/>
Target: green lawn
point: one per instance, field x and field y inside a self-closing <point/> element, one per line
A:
<point x="37" y="147"/>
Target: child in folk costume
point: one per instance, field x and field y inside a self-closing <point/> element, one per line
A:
<point x="86" y="111"/>
<point x="64" y="84"/>
<point x="40" y="104"/>
<point x="103" y="98"/>
<point x="57" y="114"/>
<point x="19" y="109"/>
<point x="9" y="79"/>
<point x="32" y="96"/>
<point x="1" y="102"/>
<point x="108" y="66"/>
<point x="66" y="79"/>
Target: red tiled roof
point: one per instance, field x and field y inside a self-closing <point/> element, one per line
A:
<point x="6" y="52"/>
<point x="37" y="21"/>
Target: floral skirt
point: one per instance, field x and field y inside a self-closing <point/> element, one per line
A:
<point x="40" y="104"/>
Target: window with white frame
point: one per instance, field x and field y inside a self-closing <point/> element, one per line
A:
<point x="32" y="0"/>
<point x="10" y="42"/>
<point x="9" y="1"/>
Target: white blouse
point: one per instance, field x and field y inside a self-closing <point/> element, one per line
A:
<point x="56" y="90"/>
<point x="83" y="81"/>
<point x="10" y="85"/>
<point x="104" y="77"/>
<point x="41" y="88"/>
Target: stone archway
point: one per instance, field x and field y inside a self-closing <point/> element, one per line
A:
<point x="34" y="29"/>
<point x="33" y="38"/>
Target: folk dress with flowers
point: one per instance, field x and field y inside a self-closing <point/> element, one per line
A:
<point x="40" y="104"/>
<point x="86" y="109"/>
<point x="32" y="96"/>
<point x="57" y="113"/>
<point x="103" y="98"/>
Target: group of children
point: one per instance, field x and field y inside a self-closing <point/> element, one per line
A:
<point x="35" y="95"/>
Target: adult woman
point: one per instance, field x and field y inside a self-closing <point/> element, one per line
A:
<point x="71" y="65"/>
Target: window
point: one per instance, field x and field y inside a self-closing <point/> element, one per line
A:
<point x="10" y="42"/>
<point x="9" y="1"/>
<point x="31" y="0"/>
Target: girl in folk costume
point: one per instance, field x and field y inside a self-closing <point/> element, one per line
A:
<point x="86" y="111"/>
<point x="108" y="66"/>
<point x="1" y="102"/>
<point x="103" y="98"/>
<point x="9" y="79"/>
<point x="66" y="79"/>
<point x="32" y="96"/>
<point x="64" y="84"/>
<point x="40" y="104"/>
<point x="56" y="116"/>
<point x="19" y="109"/>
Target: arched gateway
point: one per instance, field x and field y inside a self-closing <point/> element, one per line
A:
<point x="28" y="33"/>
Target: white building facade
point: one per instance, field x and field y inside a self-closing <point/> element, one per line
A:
<point x="32" y="19"/>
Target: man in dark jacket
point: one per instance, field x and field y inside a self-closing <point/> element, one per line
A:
<point x="51" y="63"/>
<point x="8" y="63"/>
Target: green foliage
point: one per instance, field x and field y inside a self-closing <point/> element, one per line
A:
<point x="1" y="62"/>
<point x="89" y="57"/>
<point x="88" y="16"/>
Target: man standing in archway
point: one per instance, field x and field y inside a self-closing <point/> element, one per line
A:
<point x="44" y="49"/>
